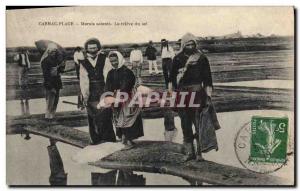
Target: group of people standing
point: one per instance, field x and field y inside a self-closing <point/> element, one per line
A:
<point x="99" y="72"/>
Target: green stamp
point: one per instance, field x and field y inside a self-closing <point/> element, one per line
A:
<point x="268" y="139"/>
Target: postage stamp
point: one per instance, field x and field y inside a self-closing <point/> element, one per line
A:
<point x="268" y="139"/>
<point x="261" y="144"/>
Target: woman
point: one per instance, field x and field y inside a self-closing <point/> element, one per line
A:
<point x="127" y="120"/>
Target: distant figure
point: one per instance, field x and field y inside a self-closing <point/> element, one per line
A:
<point x="136" y="59"/>
<point x="78" y="57"/>
<point x="52" y="65"/>
<point x="92" y="83"/>
<point x="151" y="57"/>
<point x="167" y="54"/>
<point x="127" y="120"/>
<point x="24" y="65"/>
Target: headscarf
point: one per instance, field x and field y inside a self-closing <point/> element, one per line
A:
<point x="187" y="38"/>
<point x="51" y="47"/>
<point x="108" y="66"/>
<point x="120" y="58"/>
<point x="192" y="58"/>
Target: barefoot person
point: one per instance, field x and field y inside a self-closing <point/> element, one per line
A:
<point x="92" y="83"/>
<point x="191" y="73"/>
<point x="127" y="120"/>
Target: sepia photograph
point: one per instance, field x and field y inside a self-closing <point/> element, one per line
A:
<point x="150" y="96"/>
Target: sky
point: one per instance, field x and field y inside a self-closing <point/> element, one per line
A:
<point x="24" y="27"/>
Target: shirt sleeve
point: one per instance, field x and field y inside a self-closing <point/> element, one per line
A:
<point x="141" y="56"/>
<point x="128" y="83"/>
<point x="106" y="69"/>
<point x="75" y="57"/>
<point x="174" y="72"/>
<point x="147" y="52"/>
<point x="172" y="52"/>
<point x="108" y="86"/>
<point x="28" y="61"/>
<point x="131" y="56"/>
<point x="84" y="82"/>
<point x="207" y="78"/>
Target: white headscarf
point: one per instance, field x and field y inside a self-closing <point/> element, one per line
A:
<point x="51" y="47"/>
<point x="108" y="66"/>
<point x="120" y="58"/>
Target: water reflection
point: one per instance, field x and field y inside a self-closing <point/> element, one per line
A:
<point x="58" y="175"/>
<point x="25" y="107"/>
<point x="118" y="177"/>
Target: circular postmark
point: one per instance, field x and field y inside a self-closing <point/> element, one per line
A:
<point x="244" y="147"/>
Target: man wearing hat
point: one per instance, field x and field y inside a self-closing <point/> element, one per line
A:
<point x="92" y="83"/>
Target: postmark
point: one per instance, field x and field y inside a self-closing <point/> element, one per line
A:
<point x="261" y="144"/>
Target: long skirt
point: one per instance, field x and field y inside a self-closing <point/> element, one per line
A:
<point x="133" y="132"/>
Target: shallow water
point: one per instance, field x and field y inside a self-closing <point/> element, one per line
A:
<point x="28" y="161"/>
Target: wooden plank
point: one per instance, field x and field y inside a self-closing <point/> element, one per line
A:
<point x="60" y="133"/>
<point x="167" y="157"/>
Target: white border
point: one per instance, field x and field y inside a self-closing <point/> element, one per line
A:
<point x="3" y="185"/>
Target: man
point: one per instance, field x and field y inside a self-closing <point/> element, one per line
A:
<point x="92" y="83"/>
<point x="23" y="70"/>
<point x="52" y="65"/>
<point x="136" y="59"/>
<point x="167" y="54"/>
<point x="151" y="57"/>
<point x="191" y="73"/>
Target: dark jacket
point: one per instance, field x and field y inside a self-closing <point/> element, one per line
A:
<point x="96" y="77"/>
<point x="52" y="81"/>
<point x="124" y="79"/>
<point x="121" y="78"/>
<point x="195" y="74"/>
<point x="151" y="53"/>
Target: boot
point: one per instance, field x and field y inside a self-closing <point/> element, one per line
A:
<point x="189" y="152"/>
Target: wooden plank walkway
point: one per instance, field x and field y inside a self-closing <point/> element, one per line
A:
<point x="225" y="99"/>
<point x="167" y="158"/>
